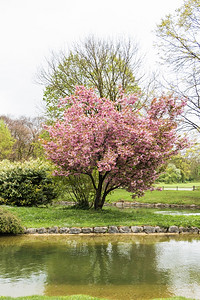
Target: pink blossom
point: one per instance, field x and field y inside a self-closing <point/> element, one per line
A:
<point x="125" y="146"/>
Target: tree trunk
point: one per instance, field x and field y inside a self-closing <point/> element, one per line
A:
<point x="102" y="192"/>
<point x="98" y="199"/>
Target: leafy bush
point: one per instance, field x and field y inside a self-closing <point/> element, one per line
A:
<point x="76" y="188"/>
<point x="171" y="175"/>
<point x="26" y="184"/>
<point x="9" y="223"/>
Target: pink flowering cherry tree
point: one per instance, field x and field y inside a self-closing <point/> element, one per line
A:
<point x="114" y="143"/>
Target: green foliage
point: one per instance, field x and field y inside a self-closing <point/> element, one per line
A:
<point x="9" y="223"/>
<point x="183" y="167"/>
<point x="38" y="149"/>
<point x="26" y="184"/>
<point x="171" y="174"/>
<point x="100" y="64"/>
<point x="193" y="157"/>
<point x="26" y="133"/>
<point x="76" y="188"/>
<point x="6" y="141"/>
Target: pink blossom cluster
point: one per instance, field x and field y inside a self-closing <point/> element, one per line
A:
<point x="125" y="146"/>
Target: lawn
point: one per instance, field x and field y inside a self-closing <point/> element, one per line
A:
<point x="170" y="197"/>
<point x="76" y="297"/>
<point x="64" y="216"/>
<point x="70" y="217"/>
<point x="185" y="184"/>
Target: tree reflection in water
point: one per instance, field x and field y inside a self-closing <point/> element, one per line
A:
<point x="116" y="265"/>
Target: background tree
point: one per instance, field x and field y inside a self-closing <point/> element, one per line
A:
<point x="172" y="174"/>
<point x="25" y="131"/>
<point x="178" y="41"/>
<point x="6" y="141"/>
<point x="183" y="167"/>
<point x="192" y="155"/>
<point x="101" y="64"/>
<point x="114" y="140"/>
<point x="183" y="164"/>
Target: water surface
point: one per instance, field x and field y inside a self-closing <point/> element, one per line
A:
<point x="178" y="212"/>
<point x="114" y="267"/>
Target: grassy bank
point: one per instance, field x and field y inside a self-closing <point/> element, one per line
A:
<point x="66" y="216"/>
<point x="77" y="297"/>
<point x="70" y="217"/>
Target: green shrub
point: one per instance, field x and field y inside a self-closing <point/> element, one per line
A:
<point x="76" y="188"/>
<point x="26" y="184"/>
<point x="9" y="223"/>
<point x="171" y="174"/>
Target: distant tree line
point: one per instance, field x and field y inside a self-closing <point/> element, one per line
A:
<point x="19" y="138"/>
<point x="182" y="167"/>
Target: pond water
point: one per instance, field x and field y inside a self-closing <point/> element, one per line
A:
<point x="178" y="212"/>
<point x="114" y="267"/>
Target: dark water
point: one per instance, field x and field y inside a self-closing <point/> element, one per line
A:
<point x="114" y="267"/>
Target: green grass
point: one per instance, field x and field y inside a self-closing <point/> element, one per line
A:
<point x="174" y="298"/>
<point x="170" y="197"/>
<point x="70" y="217"/>
<point x="76" y="297"/>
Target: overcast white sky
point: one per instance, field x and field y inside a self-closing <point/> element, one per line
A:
<point x="31" y="29"/>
